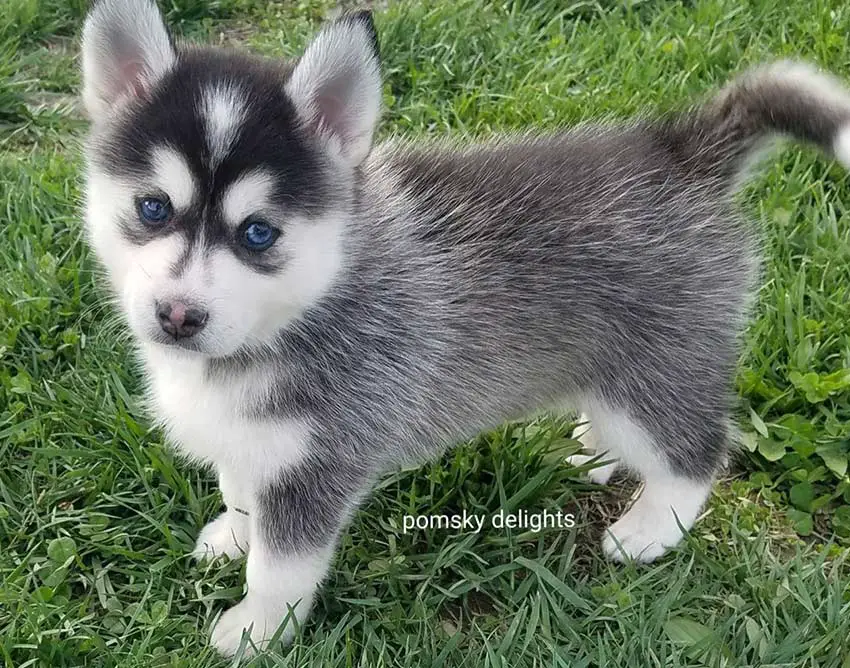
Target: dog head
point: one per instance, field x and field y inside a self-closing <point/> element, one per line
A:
<point x="219" y="185"/>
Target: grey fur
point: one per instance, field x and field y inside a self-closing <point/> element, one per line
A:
<point x="603" y="268"/>
<point x="489" y="281"/>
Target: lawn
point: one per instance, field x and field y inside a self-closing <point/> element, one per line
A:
<point x="97" y="515"/>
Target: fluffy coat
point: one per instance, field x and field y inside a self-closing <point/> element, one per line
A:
<point x="414" y="295"/>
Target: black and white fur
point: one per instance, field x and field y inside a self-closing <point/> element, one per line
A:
<point x="417" y="294"/>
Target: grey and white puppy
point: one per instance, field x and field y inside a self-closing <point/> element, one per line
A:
<point x="312" y="309"/>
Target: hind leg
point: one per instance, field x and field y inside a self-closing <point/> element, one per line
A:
<point x="674" y="491"/>
<point x="667" y="505"/>
<point x="587" y="433"/>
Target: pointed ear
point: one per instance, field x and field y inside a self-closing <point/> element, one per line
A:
<point x="336" y="86"/>
<point x="126" y="49"/>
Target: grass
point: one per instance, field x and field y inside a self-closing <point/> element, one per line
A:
<point x="96" y="515"/>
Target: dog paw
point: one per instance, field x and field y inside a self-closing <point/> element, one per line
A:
<point x="643" y="534"/>
<point x="600" y="473"/>
<point x="602" y="470"/>
<point x="255" y="618"/>
<point x="227" y="535"/>
<point x="666" y="509"/>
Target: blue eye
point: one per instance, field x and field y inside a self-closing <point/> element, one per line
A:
<point x="258" y="235"/>
<point x="154" y="211"/>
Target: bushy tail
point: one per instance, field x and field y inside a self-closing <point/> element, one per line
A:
<point x="784" y="98"/>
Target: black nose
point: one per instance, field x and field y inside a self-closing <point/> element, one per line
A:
<point x="179" y="319"/>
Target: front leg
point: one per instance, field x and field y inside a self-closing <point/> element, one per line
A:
<point x="229" y="533"/>
<point x="294" y="527"/>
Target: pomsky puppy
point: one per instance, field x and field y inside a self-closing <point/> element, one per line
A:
<point x="312" y="309"/>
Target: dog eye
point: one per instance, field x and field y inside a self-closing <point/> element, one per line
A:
<point x="154" y="211"/>
<point x="258" y="235"/>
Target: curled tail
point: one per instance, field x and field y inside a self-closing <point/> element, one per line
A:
<point x="785" y="98"/>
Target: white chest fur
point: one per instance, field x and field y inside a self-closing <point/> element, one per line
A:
<point x="211" y="421"/>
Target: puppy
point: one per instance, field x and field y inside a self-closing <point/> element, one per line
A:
<point x="312" y="309"/>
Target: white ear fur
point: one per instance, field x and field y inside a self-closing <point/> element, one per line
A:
<point x="336" y="87"/>
<point x="126" y="49"/>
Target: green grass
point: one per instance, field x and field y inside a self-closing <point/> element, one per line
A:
<point x="97" y="516"/>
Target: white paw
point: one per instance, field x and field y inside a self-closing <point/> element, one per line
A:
<point x="600" y="473"/>
<point x="585" y="435"/>
<point x="257" y="619"/>
<point x="643" y="534"/>
<point x="668" y="505"/>
<point x="226" y="534"/>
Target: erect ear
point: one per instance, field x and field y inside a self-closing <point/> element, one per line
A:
<point x="126" y="49"/>
<point x="336" y="86"/>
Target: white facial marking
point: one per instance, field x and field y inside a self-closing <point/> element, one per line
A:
<point x="223" y="113"/>
<point x="107" y="200"/>
<point x="250" y="193"/>
<point x="148" y="279"/>
<point x="245" y="307"/>
<point x="259" y="305"/>
<point x="315" y="249"/>
<point x="171" y="174"/>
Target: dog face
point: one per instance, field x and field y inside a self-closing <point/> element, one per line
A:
<point x="219" y="185"/>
